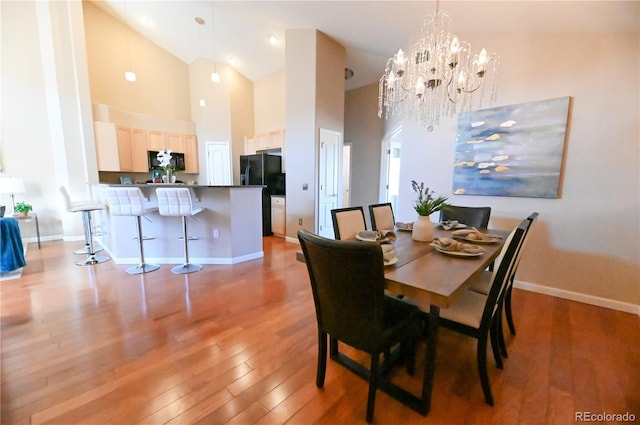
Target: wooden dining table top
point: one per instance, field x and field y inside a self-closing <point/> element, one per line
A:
<point x="435" y="278"/>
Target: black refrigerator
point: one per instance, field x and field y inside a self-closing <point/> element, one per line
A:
<point x="265" y="170"/>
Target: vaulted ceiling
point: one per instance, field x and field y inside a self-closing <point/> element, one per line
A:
<point x="371" y="31"/>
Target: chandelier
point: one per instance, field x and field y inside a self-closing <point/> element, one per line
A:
<point x="438" y="77"/>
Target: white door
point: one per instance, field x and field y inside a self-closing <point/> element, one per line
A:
<point x="346" y="175"/>
<point x="218" y="163"/>
<point x="390" y="169"/>
<point x="329" y="193"/>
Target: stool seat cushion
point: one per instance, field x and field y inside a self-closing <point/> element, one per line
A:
<point x="128" y="201"/>
<point x="176" y="202"/>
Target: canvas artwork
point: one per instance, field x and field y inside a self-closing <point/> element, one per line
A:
<point x="514" y="150"/>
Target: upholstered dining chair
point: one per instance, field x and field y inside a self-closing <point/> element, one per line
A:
<point x="482" y="285"/>
<point x="478" y="315"/>
<point x="382" y="216"/>
<point x="471" y="216"/>
<point x="347" y="281"/>
<point x="348" y="222"/>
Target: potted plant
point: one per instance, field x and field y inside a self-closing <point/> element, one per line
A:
<point x="425" y="205"/>
<point x="164" y="157"/>
<point x="22" y="208"/>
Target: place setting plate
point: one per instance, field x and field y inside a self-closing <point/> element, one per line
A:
<point x="452" y="225"/>
<point x="459" y="253"/>
<point x="405" y="227"/>
<point x="484" y="241"/>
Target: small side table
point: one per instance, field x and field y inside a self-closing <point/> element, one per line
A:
<point x="28" y="218"/>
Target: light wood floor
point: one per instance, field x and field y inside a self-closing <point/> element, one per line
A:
<point x="237" y="345"/>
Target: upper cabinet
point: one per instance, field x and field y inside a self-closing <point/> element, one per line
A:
<point x="125" y="149"/>
<point x="264" y="141"/>
<point x="120" y="148"/>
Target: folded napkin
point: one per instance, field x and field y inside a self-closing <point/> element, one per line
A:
<point x="449" y="224"/>
<point x="452" y="245"/>
<point x="373" y="235"/>
<point x="473" y="234"/>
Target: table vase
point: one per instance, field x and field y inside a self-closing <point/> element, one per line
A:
<point x="422" y="229"/>
<point x="169" y="177"/>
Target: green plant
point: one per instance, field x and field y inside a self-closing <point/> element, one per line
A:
<point x="23" y="207"/>
<point x="426" y="203"/>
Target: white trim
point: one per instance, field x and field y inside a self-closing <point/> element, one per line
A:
<point x="293" y="240"/>
<point x="576" y="296"/>
<point x="180" y="260"/>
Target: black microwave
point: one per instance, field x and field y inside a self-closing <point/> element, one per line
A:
<point x="177" y="160"/>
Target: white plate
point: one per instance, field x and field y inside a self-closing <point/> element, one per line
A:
<point x="390" y="262"/>
<point x="487" y="241"/>
<point x="459" y="253"/>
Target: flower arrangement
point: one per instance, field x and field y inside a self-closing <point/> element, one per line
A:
<point x="426" y="203"/>
<point x="164" y="157"/>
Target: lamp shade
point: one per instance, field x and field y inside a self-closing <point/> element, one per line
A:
<point x="11" y="185"/>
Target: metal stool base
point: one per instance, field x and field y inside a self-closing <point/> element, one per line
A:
<point x="85" y="251"/>
<point x="143" y="268"/>
<point x="187" y="268"/>
<point x="89" y="261"/>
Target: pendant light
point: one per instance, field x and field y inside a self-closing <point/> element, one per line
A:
<point x="129" y="75"/>
<point x="215" y="77"/>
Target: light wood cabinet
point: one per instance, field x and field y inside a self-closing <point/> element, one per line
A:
<point x="176" y="142"/>
<point x="191" y="164"/>
<point x="120" y="148"/>
<point x="156" y="140"/>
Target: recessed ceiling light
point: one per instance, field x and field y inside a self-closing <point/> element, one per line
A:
<point x="203" y="102"/>
<point x="199" y="20"/>
<point x="233" y="61"/>
<point x="273" y="40"/>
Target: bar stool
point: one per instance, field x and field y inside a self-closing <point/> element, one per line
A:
<point x="176" y="202"/>
<point x="85" y="207"/>
<point x="130" y="201"/>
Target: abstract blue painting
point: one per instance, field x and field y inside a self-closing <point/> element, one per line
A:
<point x="514" y="150"/>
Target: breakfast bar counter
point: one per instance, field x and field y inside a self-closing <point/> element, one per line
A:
<point x="229" y="230"/>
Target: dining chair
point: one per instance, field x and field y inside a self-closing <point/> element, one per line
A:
<point x="382" y="216"/>
<point x="347" y="281"/>
<point x="348" y="222"/>
<point x="471" y="216"/>
<point x="482" y="285"/>
<point x="478" y="315"/>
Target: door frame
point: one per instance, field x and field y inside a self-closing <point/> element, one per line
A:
<point x="209" y="165"/>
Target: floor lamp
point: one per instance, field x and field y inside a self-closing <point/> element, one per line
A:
<point x="11" y="185"/>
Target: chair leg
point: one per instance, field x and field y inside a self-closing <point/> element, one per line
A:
<point x="322" y="358"/>
<point x="482" y="369"/>
<point x="496" y="343"/>
<point x="373" y="386"/>
<point x="501" y="339"/>
<point x="333" y="346"/>
<point x="507" y="308"/>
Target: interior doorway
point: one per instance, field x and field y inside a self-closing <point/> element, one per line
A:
<point x="218" y="163"/>
<point x="329" y="181"/>
<point x="390" y="168"/>
<point x="346" y="175"/>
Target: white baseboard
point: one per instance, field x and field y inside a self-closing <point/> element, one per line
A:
<point x="196" y="260"/>
<point x="576" y="296"/>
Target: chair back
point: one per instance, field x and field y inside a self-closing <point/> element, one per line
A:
<point x="529" y="221"/>
<point x="348" y="222"/>
<point x="67" y="197"/>
<point x="503" y="267"/>
<point x="125" y="201"/>
<point x="347" y="280"/>
<point x="382" y="216"/>
<point x="174" y="201"/>
<point x="471" y="216"/>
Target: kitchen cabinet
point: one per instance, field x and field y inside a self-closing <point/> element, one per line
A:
<point x="156" y="140"/>
<point x="120" y="148"/>
<point x="249" y="145"/>
<point x="262" y="141"/>
<point x="191" y="164"/>
<point x="276" y="139"/>
<point x="176" y="142"/>
<point x="278" y="215"/>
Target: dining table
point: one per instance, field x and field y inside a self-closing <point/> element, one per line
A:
<point x="432" y="280"/>
<point x="435" y="280"/>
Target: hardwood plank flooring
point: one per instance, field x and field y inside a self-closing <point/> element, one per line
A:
<point x="236" y="344"/>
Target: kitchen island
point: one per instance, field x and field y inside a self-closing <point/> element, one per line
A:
<point x="229" y="230"/>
